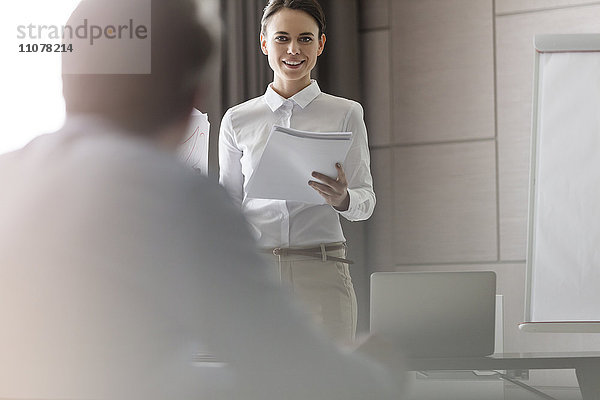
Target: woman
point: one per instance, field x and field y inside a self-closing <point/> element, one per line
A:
<point x="306" y="239"/>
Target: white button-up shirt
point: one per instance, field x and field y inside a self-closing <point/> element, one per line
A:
<point x="244" y="132"/>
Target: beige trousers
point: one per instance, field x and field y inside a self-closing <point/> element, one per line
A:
<point x="324" y="289"/>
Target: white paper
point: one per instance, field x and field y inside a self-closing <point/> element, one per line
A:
<point x="290" y="157"/>
<point x="193" y="149"/>
<point x="566" y="252"/>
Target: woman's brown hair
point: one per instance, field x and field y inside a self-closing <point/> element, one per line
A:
<point x="311" y="7"/>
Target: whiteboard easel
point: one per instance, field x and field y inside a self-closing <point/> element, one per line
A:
<point x="563" y="256"/>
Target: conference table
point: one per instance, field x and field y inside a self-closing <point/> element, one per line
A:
<point x="585" y="364"/>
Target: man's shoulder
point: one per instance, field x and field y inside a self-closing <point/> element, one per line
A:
<point x="30" y="158"/>
<point x="110" y="170"/>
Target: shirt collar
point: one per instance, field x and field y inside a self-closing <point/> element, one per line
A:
<point x="302" y="98"/>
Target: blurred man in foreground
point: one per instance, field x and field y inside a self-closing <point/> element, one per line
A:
<point x="117" y="263"/>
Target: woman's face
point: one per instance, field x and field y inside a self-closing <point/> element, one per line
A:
<point x="292" y="45"/>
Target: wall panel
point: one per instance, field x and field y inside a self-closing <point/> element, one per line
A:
<point x="443" y="80"/>
<point x="445" y="199"/>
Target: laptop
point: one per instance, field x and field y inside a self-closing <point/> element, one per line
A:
<point x="435" y="314"/>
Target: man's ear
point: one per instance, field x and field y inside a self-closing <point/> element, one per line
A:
<point x="321" y="44"/>
<point x="263" y="44"/>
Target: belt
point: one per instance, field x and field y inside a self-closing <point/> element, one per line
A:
<point x="315" y="252"/>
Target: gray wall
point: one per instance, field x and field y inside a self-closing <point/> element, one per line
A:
<point x="447" y="89"/>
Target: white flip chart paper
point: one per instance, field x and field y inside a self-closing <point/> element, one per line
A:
<point x="193" y="149"/>
<point x="563" y="255"/>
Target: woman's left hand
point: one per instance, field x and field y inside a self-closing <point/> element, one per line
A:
<point x="334" y="191"/>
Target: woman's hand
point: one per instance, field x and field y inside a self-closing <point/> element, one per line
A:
<point x="334" y="191"/>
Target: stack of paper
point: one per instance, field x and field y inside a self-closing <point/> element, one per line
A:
<point x="290" y="157"/>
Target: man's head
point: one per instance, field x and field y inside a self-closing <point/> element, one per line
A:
<point x="141" y="103"/>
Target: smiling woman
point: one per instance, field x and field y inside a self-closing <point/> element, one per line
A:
<point x="31" y="99"/>
<point x="305" y="240"/>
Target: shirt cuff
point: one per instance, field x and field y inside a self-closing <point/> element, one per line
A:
<point x="351" y="205"/>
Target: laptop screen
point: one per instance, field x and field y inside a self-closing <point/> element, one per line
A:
<point x="435" y="314"/>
